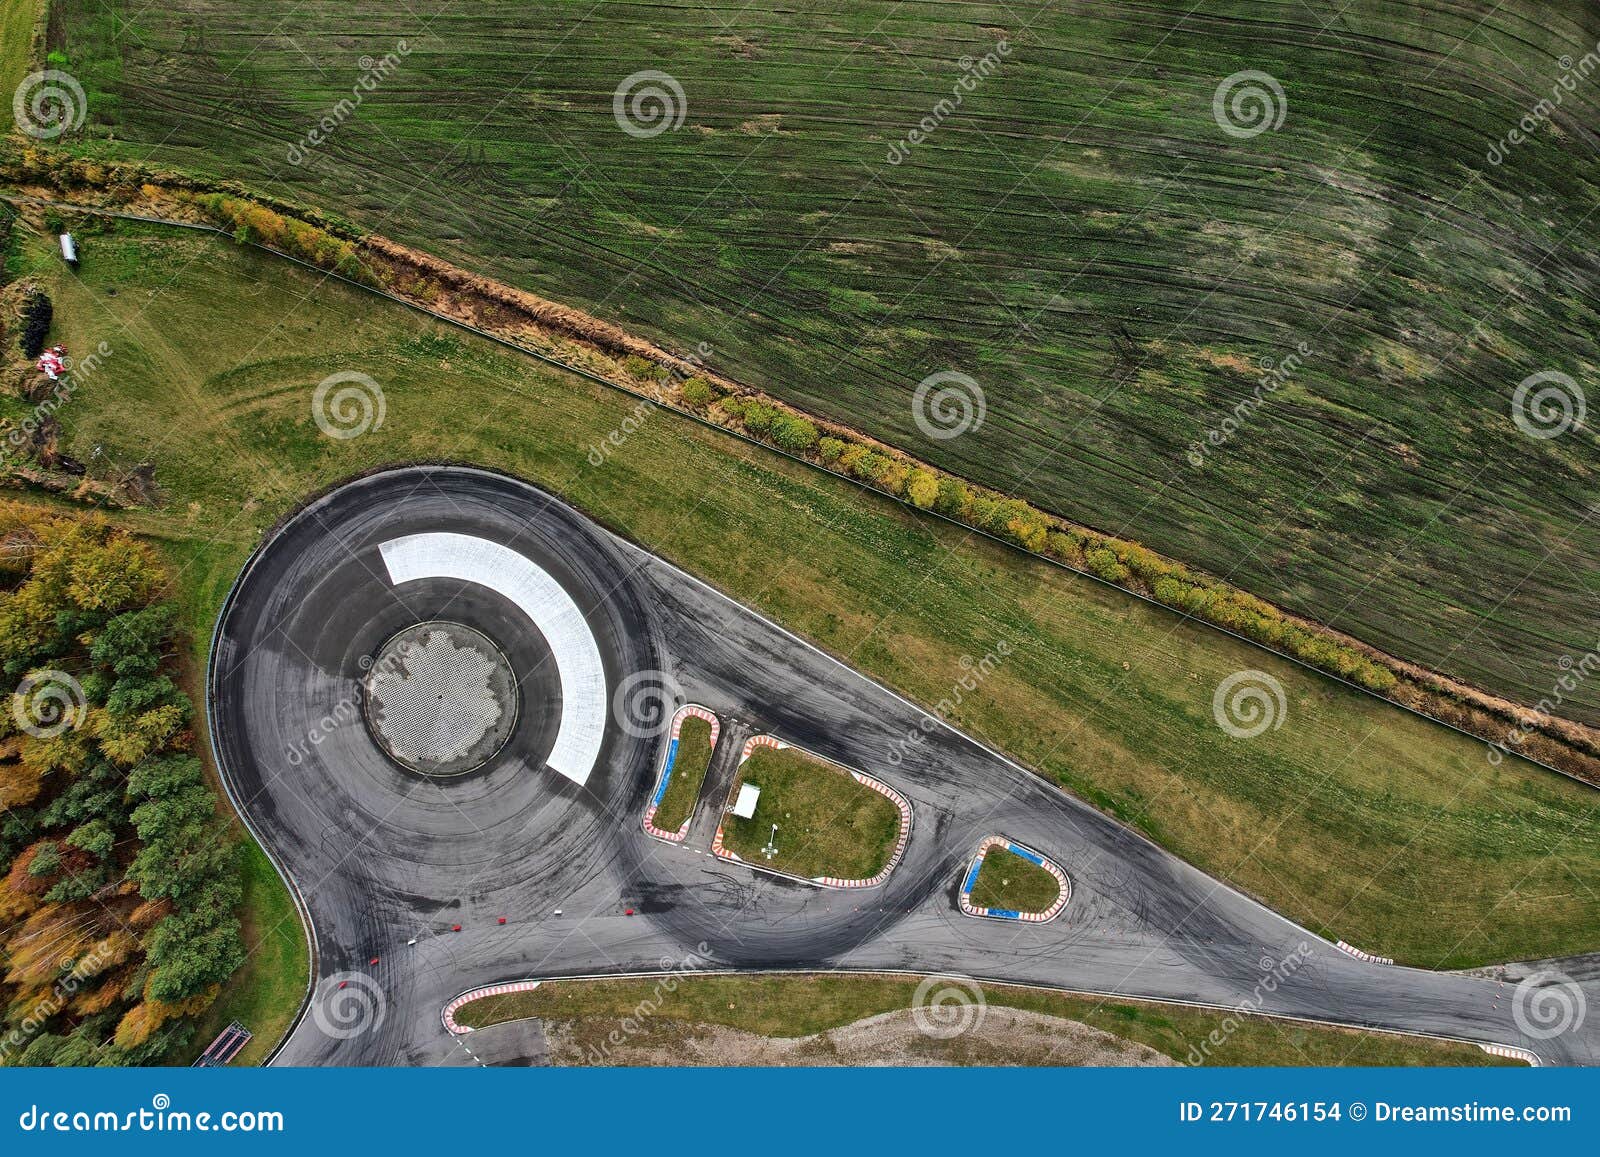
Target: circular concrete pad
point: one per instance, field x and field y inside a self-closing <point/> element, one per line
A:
<point x="440" y="698"/>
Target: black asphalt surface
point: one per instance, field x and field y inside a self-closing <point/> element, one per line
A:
<point x="380" y="856"/>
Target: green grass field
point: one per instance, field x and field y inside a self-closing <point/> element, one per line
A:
<point x="17" y="19"/>
<point x="828" y="824"/>
<point x="1340" y="819"/>
<point x="688" y="773"/>
<point x="1008" y="881"/>
<point x="792" y="1006"/>
<point x="1080" y="236"/>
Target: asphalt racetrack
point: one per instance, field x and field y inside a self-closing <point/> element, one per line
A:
<point x="381" y="856"/>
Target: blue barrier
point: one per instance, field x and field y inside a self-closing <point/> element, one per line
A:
<point x="666" y="773"/>
<point x="972" y="878"/>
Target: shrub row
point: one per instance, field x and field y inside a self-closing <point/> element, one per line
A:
<point x="1125" y="564"/>
<point x="252" y="224"/>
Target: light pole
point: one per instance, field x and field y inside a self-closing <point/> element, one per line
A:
<point x="772" y="844"/>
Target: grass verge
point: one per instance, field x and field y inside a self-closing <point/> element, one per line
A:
<point x="828" y="824"/>
<point x="793" y="1006"/>
<point x="1008" y="881"/>
<point x="688" y="773"/>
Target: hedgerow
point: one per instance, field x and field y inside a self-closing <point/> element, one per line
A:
<point x="1126" y="564"/>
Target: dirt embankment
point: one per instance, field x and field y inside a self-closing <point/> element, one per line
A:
<point x="1001" y="1036"/>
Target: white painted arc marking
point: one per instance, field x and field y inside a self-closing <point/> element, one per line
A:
<point x="584" y="695"/>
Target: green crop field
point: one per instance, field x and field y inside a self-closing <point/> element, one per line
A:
<point x="1340" y="818"/>
<point x="1079" y="234"/>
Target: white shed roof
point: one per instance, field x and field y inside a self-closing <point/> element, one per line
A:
<point x="745" y="806"/>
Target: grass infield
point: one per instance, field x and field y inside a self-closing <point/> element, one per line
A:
<point x="828" y="824"/>
<point x="1008" y="881"/>
<point x="688" y="773"/>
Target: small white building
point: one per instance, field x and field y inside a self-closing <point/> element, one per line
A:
<point x="745" y="806"/>
<point x="69" y="249"/>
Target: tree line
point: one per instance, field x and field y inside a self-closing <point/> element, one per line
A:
<point x="119" y="881"/>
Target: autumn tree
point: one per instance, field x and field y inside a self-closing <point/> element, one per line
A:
<point x="119" y="884"/>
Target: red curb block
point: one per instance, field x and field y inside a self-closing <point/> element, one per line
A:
<point x="1351" y="950"/>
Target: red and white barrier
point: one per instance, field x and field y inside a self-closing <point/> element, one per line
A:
<point x="450" y="1010"/>
<point x="964" y="897"/>
<point x="1351" y="950"/>
<point x="756" y="741"/>
<point x="1511" y="1051"/>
